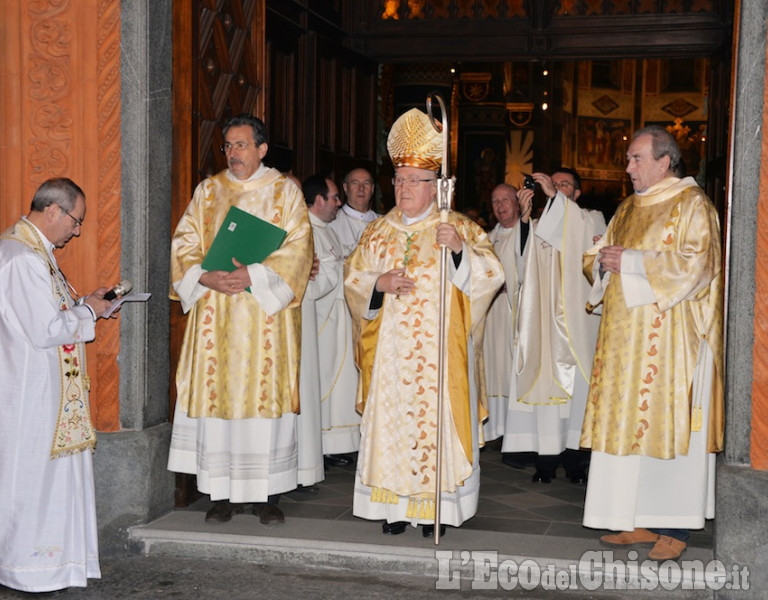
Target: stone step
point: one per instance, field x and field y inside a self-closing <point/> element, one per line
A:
<point x="484" y="558"/>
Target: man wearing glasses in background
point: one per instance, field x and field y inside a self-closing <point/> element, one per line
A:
<point x="392" y="284"/>
<point x="556" y="335"/>
<point x="238" y="374"/>
<point x="356" y="213"/>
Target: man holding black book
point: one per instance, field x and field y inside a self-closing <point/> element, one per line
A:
<point x="238" y="374"/>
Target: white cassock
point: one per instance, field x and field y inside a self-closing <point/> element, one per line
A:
<point x="555" y="334"/>
<point x="499" y="340"/>
<point x="311" y="467"/>
<point x="338" y="373"/>
<point x="349" y="225"/>
<point x="48" y="534"/>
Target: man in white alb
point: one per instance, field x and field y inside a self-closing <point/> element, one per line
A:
<point x="349" y="224"/>
<point x="556" y="335"/>
<point x="328" y="372"/>
<point x="512" y="210"/>
<point x="48" y="533"/>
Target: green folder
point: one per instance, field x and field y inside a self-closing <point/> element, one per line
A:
<point x="245" y="237"/>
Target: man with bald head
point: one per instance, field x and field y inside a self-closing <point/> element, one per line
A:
<point x="354" y="216"/>
<point x="512" y="209"/>
<point x="654" y="415"/>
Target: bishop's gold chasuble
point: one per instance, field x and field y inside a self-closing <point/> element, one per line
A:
<point x="237" y="361"/>
<point x="397" y="353"/>
<point x="640" y="398"/>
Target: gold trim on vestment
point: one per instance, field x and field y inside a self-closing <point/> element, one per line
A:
<point x="237" y="361"/>
<point x="74" y="432"/>
<point x="396" y="352"/>
<point x="641" y="397"/>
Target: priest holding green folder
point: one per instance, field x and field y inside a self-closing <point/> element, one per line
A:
<point x="238" y="374"/>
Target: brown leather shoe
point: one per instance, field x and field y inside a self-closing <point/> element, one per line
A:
<point x="667" y="548"/>
<point x="268" y="513"/>
<point x="628" y="538"/>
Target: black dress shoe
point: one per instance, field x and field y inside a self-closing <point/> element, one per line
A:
<point x="579" y="477"/>
<point x="428" y="531"/>
<point x="543" y="476"/>
<point x="221" y="512"/>
<point x="268" y="513"/>
<point x="337" y="460"/>
<point x="395" y="528"/>
<point x="306" y="489"/>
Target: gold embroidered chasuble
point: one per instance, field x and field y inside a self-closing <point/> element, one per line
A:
<point x="640" y="398"/>
<point x="397" y="353"/>
<point x="237" y="361"/>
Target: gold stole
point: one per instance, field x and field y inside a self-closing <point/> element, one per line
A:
<point x="74" y="432"/>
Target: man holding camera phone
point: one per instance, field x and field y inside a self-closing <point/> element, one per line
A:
<point x="555" y="335"/>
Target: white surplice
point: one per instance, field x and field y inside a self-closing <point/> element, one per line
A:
<point x="349" y="225"/>
<point x="499" y="340"/>
<point x="311" y="467"/>
<point x="556" y="335"/>
<point x="48" y="533"/>
<point x="338" y="373"/>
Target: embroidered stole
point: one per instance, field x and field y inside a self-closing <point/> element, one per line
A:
<point x="74" y="432"/>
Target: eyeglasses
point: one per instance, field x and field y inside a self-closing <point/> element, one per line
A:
<point x="561" y="185"/>
<point x="239" y="146"/>
<point x="332" y="197"/>
<point x="78" y="222"/>
<point x="358" y="183"/>
<point x="398" y="181"/>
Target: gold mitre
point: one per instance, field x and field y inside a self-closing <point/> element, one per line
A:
<point x="414" y="142"/>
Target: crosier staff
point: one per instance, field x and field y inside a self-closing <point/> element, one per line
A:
<point x="445" y="188"/>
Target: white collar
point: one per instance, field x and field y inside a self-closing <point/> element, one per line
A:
<point x="315" y="220"/>
<point x="353" y="213"/>
<point x="48" y="244"/>
<point x="258" y="173"/>
<point x="411" y="220"/>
